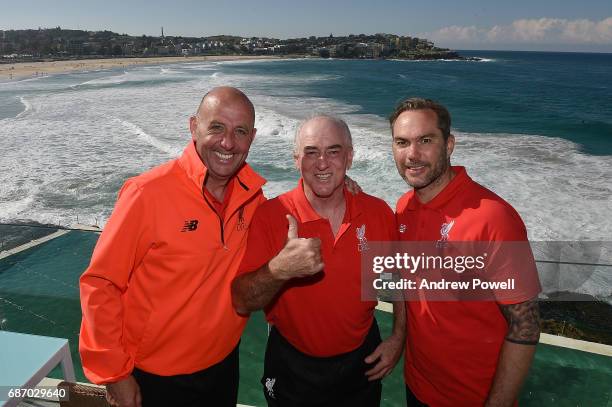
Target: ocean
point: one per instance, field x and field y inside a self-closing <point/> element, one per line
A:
<point x="534" y="127"/>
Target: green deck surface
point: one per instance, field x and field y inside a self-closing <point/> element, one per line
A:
<point x="39" y="295"/>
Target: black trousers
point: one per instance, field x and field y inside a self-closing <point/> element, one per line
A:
<point x="214" y="386"/>
<point x="411" y="400"/>
<point x="294" y="379"/>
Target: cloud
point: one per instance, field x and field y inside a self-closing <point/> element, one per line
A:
<point x="457" y="33"/>
<point x="542" y="30"/>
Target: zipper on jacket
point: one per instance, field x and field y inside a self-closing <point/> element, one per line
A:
<point x="216" y="213"/>
<point x="242" y="184"/>
<point x="245" y="187"/>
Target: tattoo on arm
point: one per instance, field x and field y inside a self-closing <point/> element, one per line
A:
<point x="523" y="322"/>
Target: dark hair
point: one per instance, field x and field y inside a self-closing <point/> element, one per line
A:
<point x="444" y="118"/>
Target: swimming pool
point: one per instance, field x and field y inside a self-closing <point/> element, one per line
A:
<point x="39" y="295"/>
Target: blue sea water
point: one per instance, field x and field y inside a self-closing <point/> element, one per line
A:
<point x="554" y="94"/>
<point x="534" y="127"/>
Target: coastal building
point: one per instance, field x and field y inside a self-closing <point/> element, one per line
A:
<point x="74" y="47"/>
<point x="163" y="50"/>
<point x="128" y="48"/>
<point x="3" y="43"/>
<point x="62" y="43"/>
<point x="424" y="44"/>
<point x="405" y="43"/>
<point x="92" y="47"/>
<point x="332" y="51"/>
<point x="374" y="50"/>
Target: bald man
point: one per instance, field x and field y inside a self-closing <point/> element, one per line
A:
<point x="303" y="267"/>
<point x="158" y="325"/>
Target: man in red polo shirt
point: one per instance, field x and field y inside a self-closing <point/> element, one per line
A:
<point x="303" y="266"/>
<point x="462" y="353"/>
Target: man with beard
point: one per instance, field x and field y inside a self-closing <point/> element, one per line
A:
<point x="457" y="353"/>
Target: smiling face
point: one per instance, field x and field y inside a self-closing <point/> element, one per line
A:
<point x="421" y="154"/>
<point x="223" y="130"/>
<point x="323" y="155"/>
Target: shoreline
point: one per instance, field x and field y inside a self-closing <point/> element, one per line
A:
<point x="25" y="70"/>
<point x="17" y="71"/>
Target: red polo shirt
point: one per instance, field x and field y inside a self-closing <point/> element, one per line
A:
<point x="322" y="315"/>
<point x="217" y="205"/>
<point x="452" y="348"/>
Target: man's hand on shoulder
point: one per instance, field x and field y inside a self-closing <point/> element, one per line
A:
<point x="299" y="258"/>
<point x="124" y="393"/>
<point x="352" y="185"/>
<point x="387" y="354"/>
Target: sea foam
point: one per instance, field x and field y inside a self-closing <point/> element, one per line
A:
<point x="73" y="155"/>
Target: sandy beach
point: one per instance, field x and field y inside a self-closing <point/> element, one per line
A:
<point x="23" y="70"/>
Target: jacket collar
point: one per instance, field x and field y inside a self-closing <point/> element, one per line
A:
<point x="247" y="180"/>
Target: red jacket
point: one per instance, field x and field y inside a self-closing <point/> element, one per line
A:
<point x="157" y="292"/>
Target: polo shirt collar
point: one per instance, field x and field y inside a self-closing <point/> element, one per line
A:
<point x="306" y="213"/>
<point x="459" y="181"/>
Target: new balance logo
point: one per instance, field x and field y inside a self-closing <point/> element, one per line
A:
<point x="190" y="225"/>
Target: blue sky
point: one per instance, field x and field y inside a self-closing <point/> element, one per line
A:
<point x="472" y="24"/>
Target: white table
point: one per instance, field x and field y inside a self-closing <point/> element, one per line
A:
<point x="27" y="359"/>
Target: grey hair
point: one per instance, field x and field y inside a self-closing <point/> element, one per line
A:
<point x="334" y="119"/>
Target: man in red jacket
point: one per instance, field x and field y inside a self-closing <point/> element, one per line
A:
<point x="158" y="324"/>
<point x="459" y="353"/>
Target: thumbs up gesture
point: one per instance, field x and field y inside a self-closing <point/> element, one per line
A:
<point x="292" y="231"/>
<point x="299" y="258"/>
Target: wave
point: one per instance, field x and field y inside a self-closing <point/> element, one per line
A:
<point x="27" y="107"/>
<point x="20" y="81"/>
<point x="166" y="71"/>
<point x="108" y="80"/>
<point x="12" y="209"/>
<point x="255" y="61"/>
<point x="246" y="81"/>
<point x="142" y="77"/>
<point x="199" y="66"/>
<point x="147" y="138"/>
<point x="100" y="82"/>
<point x="439" y="60"/>
<point x="542" y="177"/>
<point x="561" y="192"/>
